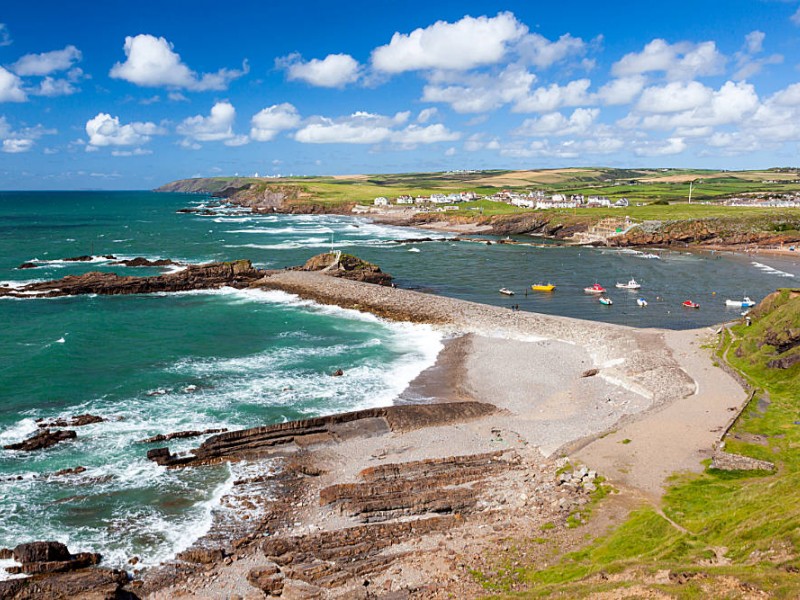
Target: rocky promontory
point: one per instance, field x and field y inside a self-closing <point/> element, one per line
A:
<point x="238" y="274"/>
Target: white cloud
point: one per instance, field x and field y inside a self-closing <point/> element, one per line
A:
<point x="479" y="92"/>
<point x="358" y="128"/>
<point x="151" y="62"/>
<point x="747" y="63"/>
<point x="451" y="151"/>
<point x="134" y="152"/>
<point x="567" y="149"/>
<point x="15" y="146"/>
<point x="216" y="127"/>
<point x="733" y="103"/>
<point x="554" y="96"/>
<point x="333" y="71"/>
<point x="579" y="123"/>
<point x="369" y="128"/>
<point x="11" y="87"/>
<point x="676" y="96"/>
<point x="22" y="140"/>
<point x="431" y="134"/>
<point x="540" y="52"/>
<point x="683" y="60"/>
<point x="5" y="35"/>
<point x="47" y="62"/>
<point x="426" y="114"/>
<point x="674" y="145"/>
<point x="54" y="87"/>
<point x="795" y="18"/>
<point x="477" y="141"/>
<point x="463" y="45"/>
<point x="105" y="130"/>
<point x="269" y="122"/>
<point x="621" y="91"/>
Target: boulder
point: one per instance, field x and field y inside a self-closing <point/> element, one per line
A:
<point x="28" y="265"/>
<point x="41" y="552"/>
<point x="76" y="421"/>
<point x="42" y="439"/>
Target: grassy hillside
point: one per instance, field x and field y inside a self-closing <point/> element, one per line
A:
<point x="722" y="534"/>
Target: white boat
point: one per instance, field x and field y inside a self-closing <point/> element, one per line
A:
<point x="641" y="302"/>
<point x="743" y="303"/>
<point x="606" y="301"/>
<point x="631" y="285"/>
<point x="506" y="291"/>
<point x="413" y="250"/>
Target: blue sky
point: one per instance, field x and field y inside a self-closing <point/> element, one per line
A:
<point x="125" y="95"/>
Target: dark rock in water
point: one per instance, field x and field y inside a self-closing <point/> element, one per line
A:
<point x="76" y="421"/>
<point x="337" y="373"/>
<point x="6" y="553"/>
<point x="238" y="274"/>
<point x="28" y="265"/>
<point x="590" y="373"/>
<point x="84" y="258"/>
<point x="179" y="434"/>
<point x="141" y="261"/>
<point x="346" y="266"/>
<point x="73" y="471"/>
<point x="43" y="439"/>
<point x="41" y="552"/>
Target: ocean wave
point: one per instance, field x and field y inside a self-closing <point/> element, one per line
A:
<point x="771" y="270"/>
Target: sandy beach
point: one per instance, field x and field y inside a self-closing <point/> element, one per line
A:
<point x="558" y="392"/>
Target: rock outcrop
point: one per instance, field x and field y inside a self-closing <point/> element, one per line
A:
<point x="435" y="486"/>
<point x="259" y="441"/>
<point x="141" y="261"/>
<point x="76" y="421"/>
<point x="238" y="274"/>
<point x="346" y="266"/>
<point x="56" y="573"/>
<point x="42" y="439"/>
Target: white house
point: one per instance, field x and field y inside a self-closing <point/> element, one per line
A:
<point x="405" y="200"/>
<point x="381" y="201"/>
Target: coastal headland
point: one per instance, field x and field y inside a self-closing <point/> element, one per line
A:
<point x="515" y="433"/>
<point x="725" y="210"/>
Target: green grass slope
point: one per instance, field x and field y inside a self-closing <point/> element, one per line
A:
<point x="722" y="534"/>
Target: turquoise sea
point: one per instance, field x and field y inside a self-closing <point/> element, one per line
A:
<point x="231" y="359"/>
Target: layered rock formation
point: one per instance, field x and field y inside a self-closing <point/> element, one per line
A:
<point x="238" y="274"/>
<point x="258" y="441"/>
<point x="42" y="439"/>
<point x="56" y="573"/>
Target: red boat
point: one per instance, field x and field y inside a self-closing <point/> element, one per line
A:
<point x="690" y="304"/>
<point x="595" y="289"/>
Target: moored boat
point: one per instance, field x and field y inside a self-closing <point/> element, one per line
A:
<point x="606" y="300"/>
<point x="641" y="302"/>
<point x="690" y="304"/>
<point x="594" y="289"/>
<point x="745" y="302"/>
<point x="631" y="285"/>
<point x="506" y="291"/>
<point x="542" y="287"/>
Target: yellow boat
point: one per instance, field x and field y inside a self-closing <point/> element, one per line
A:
<point x="540" y="287"/>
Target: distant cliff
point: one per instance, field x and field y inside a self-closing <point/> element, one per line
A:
<point x="260" y="195"/>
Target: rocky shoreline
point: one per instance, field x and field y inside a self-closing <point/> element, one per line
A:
<point x="403" y="501"/>
<point x="699" y="233"/>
